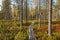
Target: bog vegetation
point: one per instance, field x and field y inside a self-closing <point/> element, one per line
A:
<point x="17" y="15"/>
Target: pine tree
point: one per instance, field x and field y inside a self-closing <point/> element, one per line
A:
<point x="20" y="9"/>
<point x="50" y="18"/>
<point x="6" y="9"/>
<point x="25" y="10"/>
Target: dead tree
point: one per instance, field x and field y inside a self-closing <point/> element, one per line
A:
<point x="31" y="32"/>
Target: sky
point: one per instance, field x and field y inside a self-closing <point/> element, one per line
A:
<point x="0" y="2"/>
<point x="30" y="3"/>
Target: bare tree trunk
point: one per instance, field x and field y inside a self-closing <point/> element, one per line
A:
<point x="36" y="11"/>
<point x="39" y="15"/>
<point x="50" y="18"/>
<point x="26" y="12"/>
<point x="31" y="32"/>
<point x="6" y="9"/>
<point x="21" y="11"/>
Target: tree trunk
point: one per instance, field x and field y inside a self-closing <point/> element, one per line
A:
<point x="6" y="9"/>
<point x="50" y="18"/>
<point x="26" y="12"/>
<point x="20" y="8"/>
